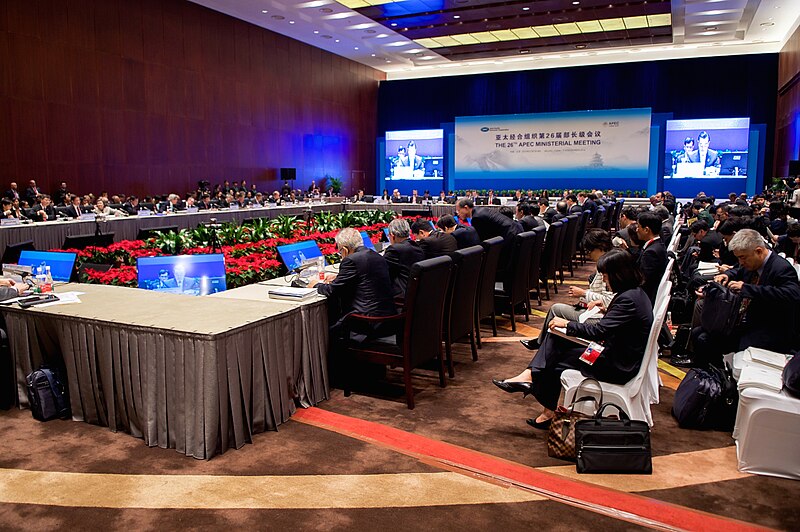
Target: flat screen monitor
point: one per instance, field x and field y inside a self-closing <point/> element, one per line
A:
<point x="707" y="148"/>
<point x="367" y="241"/>
<point x="196" y="275"/>
<point x="386" y="233"/>
<point x="61" y="263"/>
<point x="294" y="255"/>
<point x="414" y="160"/>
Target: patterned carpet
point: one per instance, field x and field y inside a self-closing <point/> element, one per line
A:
<point x="464" y="458"/>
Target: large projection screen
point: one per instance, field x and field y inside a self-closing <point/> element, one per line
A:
<point x="584" y="149"/>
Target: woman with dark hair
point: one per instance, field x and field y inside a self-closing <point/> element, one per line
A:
<point x="597" y="243"/>
<point x="777" y="214"/>
<point x="623" y="331"/>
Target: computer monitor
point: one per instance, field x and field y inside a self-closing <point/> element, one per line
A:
<point x="294" y="255"/>
<point x="84" y="241"/>
<point x="386" y="233"/>
<point x="195" y="275"/>
<point x="61" y="263"/>
<point x="367" y="241"/>
<point x="12" y="251"/>
<point x="733" y="163"/>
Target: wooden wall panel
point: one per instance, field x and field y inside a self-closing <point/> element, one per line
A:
<point x="150" y="96"/>
<point x="787" y="123"/>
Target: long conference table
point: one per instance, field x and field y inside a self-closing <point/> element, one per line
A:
<point x="51" y="235"/>
<point x="197" y="374"/>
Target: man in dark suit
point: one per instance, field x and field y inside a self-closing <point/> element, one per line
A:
<point x="32" y="193"/>
<point x="433" y="243"/>
<point x="132" y="206"/>
<point x="401" y="255"/>
<point x="12" y="193"/>
<point x="652" y="261"/>
<point x="525" y="217"/>
<point x="546" y="212"/>
<point x="491" y="199"/>
<point x="43" y="211"/>
<point x="465" y="235"/>
<point x="562" y="210"/>
<point x="572" y="204"/>
<point x="587" y="203"/>
<point x="362" y="285"/>
<point x="490" y="223"/>
<point x="708" y="157"/>
<point x="74" y="210"/>
<point x="771" y="292"/>
<point x="61" y="195"/>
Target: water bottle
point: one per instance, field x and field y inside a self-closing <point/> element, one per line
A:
<point x="49" y="279"/>
<point x="321" y="268"/>
<point x="40" y="280"/>
<point x="669" y="320"/>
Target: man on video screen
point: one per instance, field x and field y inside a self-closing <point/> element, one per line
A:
<point x="684" y="156"/>
<point x="708" y="157"/>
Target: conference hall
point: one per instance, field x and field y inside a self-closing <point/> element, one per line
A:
<point x="400" y="264"/>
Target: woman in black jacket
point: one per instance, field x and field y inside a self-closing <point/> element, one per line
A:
<point x="623" y="332"/>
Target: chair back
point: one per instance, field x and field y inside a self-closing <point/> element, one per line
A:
<point x="465" y="277"/>
<point x="620" y="203"/>
<point x="549" y="256"/>
<point x="584" y="221"/>
<point x="570" y="238"/>
<point x="536" y="257"/>
<point x="491" y="258"/>
<point x="646" y="381"/>
<point x="425" y="301"/>
<point x="562" y="237"/>
<point x="516" y="285"/>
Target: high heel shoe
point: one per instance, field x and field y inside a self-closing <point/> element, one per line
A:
<point x="512" y="387"/>
<point x="531" y="344"/>
<point x="541" y="425"/>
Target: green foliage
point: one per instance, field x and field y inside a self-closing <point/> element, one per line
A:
<point x="335" y="184"/>
<point x="283" y="226"/>
<point x="326" y="221"/>
<point x="232" y="234"/>
<point x="172" y="243"/>
<point x="260" y="229"/>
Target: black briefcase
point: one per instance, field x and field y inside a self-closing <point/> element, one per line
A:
<point x="607" y="445"/>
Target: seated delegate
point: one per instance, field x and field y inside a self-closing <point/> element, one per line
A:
<point x="597" y="243"/>
<point x="623" y="331"/>
<point x="401" y="255"/>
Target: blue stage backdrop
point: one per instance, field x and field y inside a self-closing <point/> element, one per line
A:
<point x="585" y="149"/>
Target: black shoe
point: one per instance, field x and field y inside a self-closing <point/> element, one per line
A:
<point x="684" y="361"/>
<point x="531" y="344"/>
<point x="541" y="425"/>
<point x="511" y="387"/>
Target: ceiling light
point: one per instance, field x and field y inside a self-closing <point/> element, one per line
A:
<point x="526" y="9"/>
<point x="382" y="36"/>
<point x="580" y="46"/>
<point x="456" y="16"/>
<point x="524" y="51"/>
<point x="394" y="24"/>
<point x="356" y="48"/>
<point x="291" y="22"/>
<point x="337" y="40"/>
<point x="373" y="55"/>
<point x="426" y="58"/>
<point x="712" y="28"/>
<point x="767" y="24"/>
<point x="575" y="3"/>
<point x="264" y="11"/>
<point x="316" y="32"/>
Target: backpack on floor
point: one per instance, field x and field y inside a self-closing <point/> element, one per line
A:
<point x="706" y="399"/>
<point x="47" y="395"/>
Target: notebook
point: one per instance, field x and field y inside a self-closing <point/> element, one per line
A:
<point x="758" y="376"/>
<point x="765" y="358"/>
<point x="291" y="293"/>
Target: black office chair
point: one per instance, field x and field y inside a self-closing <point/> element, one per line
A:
<point x="549" y="270"/>
<point x="570" y="243"/>
<point x="513" y="290"/>
<point x="536" y="265"/>
<point x="485" y="305"/>
<point x="419" y="338"/>
<point x="459" y="317"/>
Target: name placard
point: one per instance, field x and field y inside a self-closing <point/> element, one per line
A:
<point x="9" y="221"/>
<point x="89" y="216"/>
<point x="145" y="212"/>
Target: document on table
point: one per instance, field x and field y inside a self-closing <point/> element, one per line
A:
<point x="64" y="298"/>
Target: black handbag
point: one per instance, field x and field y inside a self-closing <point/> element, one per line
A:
<point x="721" y="310"/>
<point x="613" y="445"/>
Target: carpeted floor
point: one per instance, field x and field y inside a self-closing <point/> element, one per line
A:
<point x="64" y="474"/>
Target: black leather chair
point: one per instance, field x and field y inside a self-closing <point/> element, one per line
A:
<point x="459" y="314"/>
<point x="419" y="326"/>
<point x="583" y="224"/>
<point x="514" y="290"/>
<point x="485" y="304"/>
<point x="536" y="265"/>
<point x="562" y="236"/>
<point x="549" y="269"/>
<point x="570" y="243"/>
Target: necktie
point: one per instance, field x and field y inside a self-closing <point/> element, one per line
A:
<point x="746" y="301"/>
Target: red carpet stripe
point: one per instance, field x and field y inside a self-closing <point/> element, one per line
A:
<point x="618" y="504"/>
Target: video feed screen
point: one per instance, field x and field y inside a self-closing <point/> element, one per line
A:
<point x="707" y="148"/>
<point x="415" y="156"/>
<point x="367" y="241"/>
<point x="196" y="275"/>
<point x="61" y="263"/>
<point x="294" y="255"/>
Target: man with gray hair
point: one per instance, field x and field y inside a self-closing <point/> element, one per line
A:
<point x="362" y="285"/>
<point x="401" y="255"/>
<point x="770" y="290"/>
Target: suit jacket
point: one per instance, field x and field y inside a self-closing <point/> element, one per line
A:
<point x="36" y="213"/>
<point x="362" y="286"/>
<point x="712" y="158"/>
<point x="13" y="194"/>
<point x="652" y="262"/>
<point x="493" y="200"/>
<point x="437" y="244"/>
<point x="466" y="236"/>
<point x="60" y="197"/>
<point x="490" y="223"/>
<point x="130" y="209"/>
<point x="72" y="212"/>
<point x="529" y="223"/>
<point x="575" y="209"/>
<point x="623" y="330"/>
<point x="771" y="320"/>
<point x="31" y="194"/>
<point x="589" y="205"/>
<point x="549" y="215"/>
<point x="400" y="257"/>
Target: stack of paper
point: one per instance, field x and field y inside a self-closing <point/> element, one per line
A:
<point x="758" y="376"/>
<point x="291" y="293"/>
<point x="765" y="358"/>
<point x="706" y="268"/>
